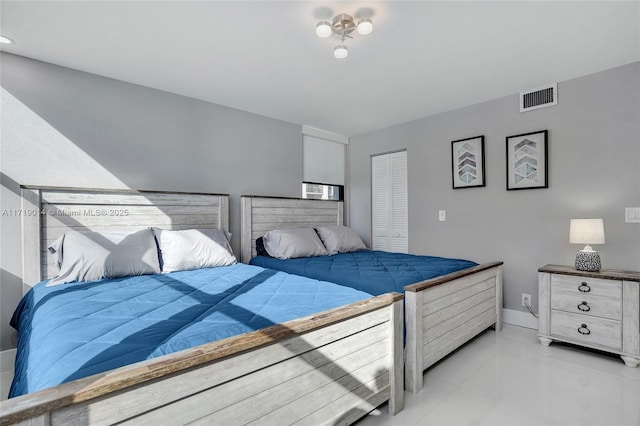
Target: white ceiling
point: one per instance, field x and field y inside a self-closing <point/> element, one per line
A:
<point x="421" y="59"/>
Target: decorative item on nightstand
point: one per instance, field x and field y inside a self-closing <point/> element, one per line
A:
<point x="587" y="231"/>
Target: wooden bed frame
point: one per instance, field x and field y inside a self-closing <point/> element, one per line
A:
<point x="331" y="367"/>
<point x="441" y="314"/>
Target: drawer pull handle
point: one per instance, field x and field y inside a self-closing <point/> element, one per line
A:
<point x="584" y="306"/>
<point x="584" y="287"/>
<point x="584" y="330"/>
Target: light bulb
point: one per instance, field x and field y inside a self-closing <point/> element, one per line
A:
<point x="365" y="26"/>
<point x="323" y="29"/>
<point x="340" y="51"/>
<point x="5" y="40"/>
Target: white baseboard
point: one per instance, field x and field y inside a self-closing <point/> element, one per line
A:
<point x="519" y="318"/>
<point x="7" y="359"/>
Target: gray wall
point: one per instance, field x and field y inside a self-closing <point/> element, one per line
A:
<point x="68" y="128"/>
<point x="594" y="156"/>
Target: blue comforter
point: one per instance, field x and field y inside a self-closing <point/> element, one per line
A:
<point x="374" y="272"/>
<point x="76" y="330"/>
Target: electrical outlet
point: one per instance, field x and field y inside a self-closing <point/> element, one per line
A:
<point x="526" y="299"/>
<point x="442" y="215"/>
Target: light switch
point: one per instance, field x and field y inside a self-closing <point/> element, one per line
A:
<point x="632" y="215"/>
<point x="442" y="215"/>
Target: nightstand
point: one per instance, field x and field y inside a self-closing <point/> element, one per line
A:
<point x="599" y="310"/>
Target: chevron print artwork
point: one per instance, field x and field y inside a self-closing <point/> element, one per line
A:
<point x="527" y="157"/>
<point x="467" y="163"/>
<point x="526" y="162"/>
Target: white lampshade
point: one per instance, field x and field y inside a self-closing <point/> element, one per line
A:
<point x="586" y="231"/>
<point x="340" y="51"/>
<point x="323" y="29"/>
<point x="365" y="26"/>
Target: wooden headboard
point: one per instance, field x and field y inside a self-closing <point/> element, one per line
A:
<point x="49" y="212"/>
<point x="262" y="214"/>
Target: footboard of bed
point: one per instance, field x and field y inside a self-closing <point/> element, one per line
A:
<point x="332" y="367"/>
<point x="445" y="312"/>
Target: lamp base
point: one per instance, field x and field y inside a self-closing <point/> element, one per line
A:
<point x="588" y="261"/>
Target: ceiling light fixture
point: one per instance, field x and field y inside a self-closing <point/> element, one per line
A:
<point x="5" y="40"/>
<point x="365" y="26"/>
<point x="323" y="29"/>
<point x="343" y="25"/>
<point x="340" y="51"/>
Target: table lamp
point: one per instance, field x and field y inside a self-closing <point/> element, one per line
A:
<point x="587" y="231"/>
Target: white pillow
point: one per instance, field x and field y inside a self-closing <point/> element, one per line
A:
<point x="340" y="239"/>
<point x="193" y="249"/>
<point x="290" y="243"/>
<point x="91" y="256"/>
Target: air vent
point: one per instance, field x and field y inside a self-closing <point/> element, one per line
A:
<point x="540" y="97"/>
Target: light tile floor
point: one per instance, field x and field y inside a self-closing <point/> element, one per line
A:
<point x="509" y="378"/>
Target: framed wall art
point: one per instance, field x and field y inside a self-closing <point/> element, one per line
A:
<point x="467" y="162"/>
<point x="527" y="160"/>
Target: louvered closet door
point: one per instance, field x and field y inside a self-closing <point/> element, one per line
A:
<point x="381" y="202"/>
<point x="389" y="202"/>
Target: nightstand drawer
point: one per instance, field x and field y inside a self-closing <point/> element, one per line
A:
<point x="586" y="286"/>
<point x="582" y="328"/>
<point x="587" y="304"/>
